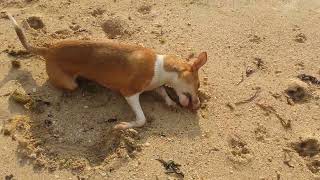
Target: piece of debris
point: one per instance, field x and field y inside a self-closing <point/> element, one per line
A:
<point x="3" y="15"/>
<point x="62" y="34"/>
<point x="296" y="28"/>
<point x="298" y="91"/>
<point x="287" y="158"/>
<point x="19" y="97"/>
<point x="278" y="175"/>
<point x="15" y="64"/>
<point x="171" y="167"/>
<point x="6" y="132"/>
<point x="16" y="123"/>
<point x="253" y="97"/>
<point x="231" y="106"/>
<point x="98" y="12"/>
<point x="35" y="22"/>
<point x="35" y="105"/>
<point x="308" y="147"/>
<point x="255" y="39"/>
<point x="111" y="120"/>
<point x="5" y="95"/>
<point x="249" y="71"/>
<point x="162" y="41"/>
<point x="300" y="38"/>
<point x="8" y="177"/>
<point x="47" y="123"/>
<point x="309" y="78"/>
<point x="144" y="9"/>
<point x="259" y="63"/>
<point x="241" y="80"/>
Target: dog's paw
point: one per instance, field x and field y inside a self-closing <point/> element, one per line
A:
<point x="122" y="126"/>
<point x="171" y="103"/>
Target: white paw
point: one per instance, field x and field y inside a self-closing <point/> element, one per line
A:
<point x="171" y="103"/>
<point x="122" y="126"/>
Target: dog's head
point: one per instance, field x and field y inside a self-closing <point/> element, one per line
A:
<point x="187" y="82"/>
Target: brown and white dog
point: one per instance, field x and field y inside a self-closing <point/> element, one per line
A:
<point x="129" y="69"/>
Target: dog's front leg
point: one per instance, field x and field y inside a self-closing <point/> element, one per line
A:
<point x="134" y="103"/>
<point x="163" y="93"/>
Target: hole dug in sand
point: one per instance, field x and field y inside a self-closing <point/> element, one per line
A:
<point x="308" y="147"/>
<point x="50" y="144"/>
<point x="35" y="22"/>
<point x="298" y="91"/>
<point x="115" y="28"/>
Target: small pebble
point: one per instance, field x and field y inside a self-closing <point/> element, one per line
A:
<point x="86" y="107"/>
<point x="33" y="156"/>
<point x="34" y="90"/>
<point x="103" y="173"/>
<point x="134" y="132"/>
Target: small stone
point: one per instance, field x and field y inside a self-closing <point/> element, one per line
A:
<point x="15" y="64"/>
<point x="33" y="156"/>
<point x="34" y="90"/>
<point x="3" y="15"/>
<point x="86" y="107"/>
<point x="102" y="173"/>
<point x="300" y="38"/>
<point x="169" y="139"/>
<point x="162" y="41"/>
<point x="146" y="144"/>
<point x="8" y="177"/>
<point x="6" y="132"/>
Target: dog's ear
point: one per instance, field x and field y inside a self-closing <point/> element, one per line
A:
<point x="198" y="62"/>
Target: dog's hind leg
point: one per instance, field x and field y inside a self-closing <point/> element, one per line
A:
<point x="60" y="79"/>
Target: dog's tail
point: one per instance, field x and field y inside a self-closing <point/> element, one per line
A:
<point x="23" y="40"/>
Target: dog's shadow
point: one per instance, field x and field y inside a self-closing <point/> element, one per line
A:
<point x="78" y="126"/>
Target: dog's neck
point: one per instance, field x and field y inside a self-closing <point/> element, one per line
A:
<point x="161" y="76"/>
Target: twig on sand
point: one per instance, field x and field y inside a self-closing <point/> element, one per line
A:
<point x="242" y="79"/>
<point x="4" y="95"/>
<point x="253" y="97"/>
<point x="171" y="167"/>
<point x="269" y="109"/>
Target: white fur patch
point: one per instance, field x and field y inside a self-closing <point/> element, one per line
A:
<point x="161" y="76"/>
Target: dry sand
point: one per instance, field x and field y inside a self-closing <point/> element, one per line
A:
<point x="257" y="121"/>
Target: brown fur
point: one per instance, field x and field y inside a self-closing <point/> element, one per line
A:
<point x="184" y="70"/>
<point x="125" y="68"/>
